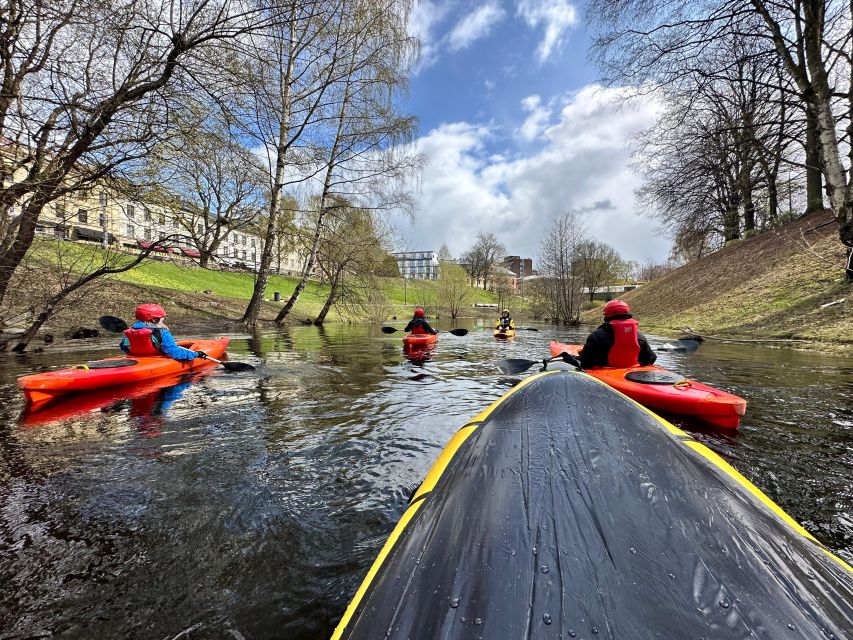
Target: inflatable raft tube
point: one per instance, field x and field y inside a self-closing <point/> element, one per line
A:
<point x="504" y="335"/>
<point x="668" y="392"/>
<point x="567" y="510"/>
<point x="43" y="388"/>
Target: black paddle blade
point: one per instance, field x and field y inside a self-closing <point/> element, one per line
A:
<point x="112" y="324"/>
<point x="459" y="332"/>
<point x="389" y="330"/>
<point x="237" y="367"/>
<point x="529" y="329"/>
<point x="513" y="366"/>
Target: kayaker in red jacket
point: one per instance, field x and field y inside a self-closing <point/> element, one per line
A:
<point x="418" y="324"/>
<point x="149" y="336"/>
<point x="617" y="342"/>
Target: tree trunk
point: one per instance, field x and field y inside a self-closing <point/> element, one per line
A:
<point x="333" y="294"/>
<point x="814" y="176"/>
<point x="203" y="259"/>
<point x="33" y="329"/>
<point x="731" y="221"/>
<point x="748" y="212"/>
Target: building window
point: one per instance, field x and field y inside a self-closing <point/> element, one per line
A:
<point x="235" y="252"/>
<point x="147" y="216"/>
<point x="83" y="216"/>
<point x="131" y="211"/>
<point x="102" y="198"/>
<point x="252" y="242"/>
<point x="60" y="210"/>
<point x="176" y="223"/>
<point x="254" y="256"/>
<point x="200" y="229"/>
<point x="102" y="219"/>
<point x="162" y="219"/>
<point x="243" y="255"/>
<point x="130" y="230"/>
<point x="148" y="234"/>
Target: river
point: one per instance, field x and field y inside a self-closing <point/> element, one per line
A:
<point x="250" y="506"/>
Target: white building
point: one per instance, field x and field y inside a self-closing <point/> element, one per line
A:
<point x="422" y="265"/>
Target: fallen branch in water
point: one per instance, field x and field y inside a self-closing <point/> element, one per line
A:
<point x="693" y="333"/>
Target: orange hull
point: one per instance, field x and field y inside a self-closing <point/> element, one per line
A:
<point x="41" y="388"/>
<point x="686" y="398"/>
<point x="419" y="340"/>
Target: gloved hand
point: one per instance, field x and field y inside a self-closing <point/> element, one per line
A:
<point x="201" y="354"/>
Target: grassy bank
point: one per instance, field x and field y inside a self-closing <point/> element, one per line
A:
<point x="217" y="298"/>
<point x="773" y="285"/>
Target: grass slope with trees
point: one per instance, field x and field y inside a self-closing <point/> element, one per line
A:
<point x="770" y="286"/>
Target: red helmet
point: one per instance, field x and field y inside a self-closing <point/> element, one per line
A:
<point x="149" y="311"/>
<point x="615" y="308"/>
<point x="419" y="313"/>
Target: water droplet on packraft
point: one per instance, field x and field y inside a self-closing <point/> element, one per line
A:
<point x="572" y="633"/>
<point x="543" y="569"/>
<point x="672" y="576"/>
<point x="513" y="552"/>
<point x="791" y="627"/>
<point x="633" y="550"/>
<point x="454" y="603"/>
<point x="595" y="630"/>
<point x="462" y="618"/>
<point x="724" y="604"/>
<point x="535" y="551"/>
<point x="478" y="621"/>
<point x="546" y="619"/>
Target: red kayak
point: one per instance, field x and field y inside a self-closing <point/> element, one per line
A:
<point x="41" y="388"/>
<point x="419" y="340"/>
<point x="667" y="392"/>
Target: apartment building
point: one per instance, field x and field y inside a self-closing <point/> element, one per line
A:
<point x="99" y="216"/>
<point x="422" y="265"/>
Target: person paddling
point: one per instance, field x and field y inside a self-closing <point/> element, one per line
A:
<point x="418" y="324"/>
<point x="505" y="322"/>
<point x="617" y="342"/>
<point x="149" y="336"/>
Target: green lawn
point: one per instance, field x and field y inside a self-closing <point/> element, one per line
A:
<point x="237" y="285"/>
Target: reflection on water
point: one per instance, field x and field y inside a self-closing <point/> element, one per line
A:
<point x="252" y="504"/>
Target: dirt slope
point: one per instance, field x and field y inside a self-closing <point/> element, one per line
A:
<point x="771" y="285"/>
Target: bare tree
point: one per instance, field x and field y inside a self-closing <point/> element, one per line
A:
<point x="452" y="290"/>
<point x="480" y="259"/>
<point x="210" y="181"/>
<point x="87" y="88"/>
<point x="365" y="160"/>
<point x="560" y="287"/>
<point x="598" y="264"/>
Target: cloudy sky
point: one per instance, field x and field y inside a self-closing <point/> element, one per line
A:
<point x="515" y="130"/>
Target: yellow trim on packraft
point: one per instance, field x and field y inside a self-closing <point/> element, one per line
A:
<point x="446" y="456"/>
<point x="431" y="479"/>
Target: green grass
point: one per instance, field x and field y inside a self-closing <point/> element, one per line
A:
<point x="237" y="285"/>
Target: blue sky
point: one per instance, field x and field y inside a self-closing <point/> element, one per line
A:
<point x="515" y="130"/>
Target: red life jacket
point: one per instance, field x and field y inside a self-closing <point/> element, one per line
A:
<point x="418" y="330"/>
<point x="626" y="346"/>
<point x="141" y="343"/>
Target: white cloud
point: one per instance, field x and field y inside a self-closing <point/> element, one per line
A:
<point x="425" y="16"/>
<point x="556" y="16"/>
<point x="474" y="26"/>
<point x="537" y="119"/>
<point x="581" y="165"/>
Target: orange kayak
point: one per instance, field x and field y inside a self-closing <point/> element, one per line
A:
<point x="667" y="392"/>
<point x="419" y="340"/>
<point x="504" y="335"/>
<point x="40" y="388"/>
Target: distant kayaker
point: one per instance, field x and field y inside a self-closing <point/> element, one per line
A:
<point x="149" y="336"/>
<point x="617" y="342"/>
<point x="418" y="324"/>
<point x="505" y="322"/>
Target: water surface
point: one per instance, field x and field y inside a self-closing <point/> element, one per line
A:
<point x="251" y="505"/>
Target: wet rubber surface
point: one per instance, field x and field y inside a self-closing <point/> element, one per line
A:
<point x="253" y="504"/>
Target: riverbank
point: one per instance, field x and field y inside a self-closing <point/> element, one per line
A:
<point x="210" y="301"/>
<point x="786" y="286"/>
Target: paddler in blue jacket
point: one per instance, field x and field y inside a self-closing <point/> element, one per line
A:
<point x="149" y="336"/>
